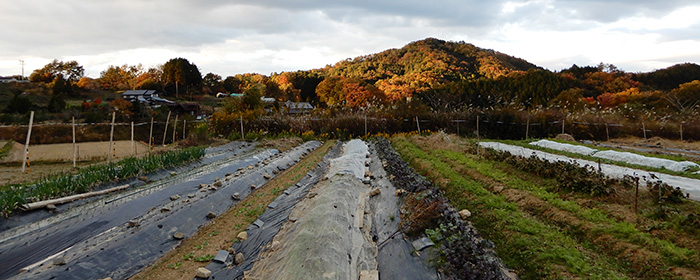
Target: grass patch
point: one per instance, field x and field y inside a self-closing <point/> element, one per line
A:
<point x="6" y="148"/>
<point x="598" y="221"/>
<point x="535" y="249"/>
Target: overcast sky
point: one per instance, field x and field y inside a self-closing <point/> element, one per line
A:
<point x="265" y="36"/>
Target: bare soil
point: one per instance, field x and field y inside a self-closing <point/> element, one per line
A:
<point x="282" y="144"/>
<point x="657" y="141"/>
<point x="658" y="145"/>
<point x="49" y="159"/>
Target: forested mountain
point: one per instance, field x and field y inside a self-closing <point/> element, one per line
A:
<point x="450" y="76"/>
<point x="425" y="64"/>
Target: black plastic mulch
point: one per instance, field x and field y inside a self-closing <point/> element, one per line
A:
<point x="133" y="249"/>
<point x="262" y="231"/>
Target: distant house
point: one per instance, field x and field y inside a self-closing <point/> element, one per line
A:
<point x="222" y="95"/>
<point x="147" y="97"/>
<point x="191" y="109"/>
<point x="267" y="99"/>
<point x="8" y="80"/>
<point x="298" y="107"/>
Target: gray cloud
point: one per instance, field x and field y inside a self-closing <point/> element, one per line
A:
<point x="225" y="32"/>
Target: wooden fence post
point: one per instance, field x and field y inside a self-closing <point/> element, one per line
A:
<point x="365" y="124"/>
<point x="527" y="128"/>
<point x="111" y="137"/>
<point x="607" y="132"/>
<point x="26" y="143"/>
<point x="418" y="124"/>
<point x="133" y="145"/>
<point x="563" y="122"/>
<point x="175" y="127"/>
<point x="242" y="135"/>
<point x="165" y="132"/>
<point x="150" y="138"/>
<point x="74" y="152"/>
<point x="644" y="130"/>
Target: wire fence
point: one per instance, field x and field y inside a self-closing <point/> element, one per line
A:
<point x="169" y="130"/>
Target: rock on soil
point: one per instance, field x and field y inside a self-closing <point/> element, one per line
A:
<point x="203" y="273"/>
<point x="565" y="137"/>
<point x="464" y="214"/>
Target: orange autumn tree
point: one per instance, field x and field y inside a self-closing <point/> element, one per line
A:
<point x="350" y="92"/>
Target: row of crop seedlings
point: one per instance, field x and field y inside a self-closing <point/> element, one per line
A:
<point x="11" y="197"/>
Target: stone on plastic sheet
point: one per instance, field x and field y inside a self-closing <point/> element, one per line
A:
<point x="51" y="207"/>
<point x="267" y="176"/>
<point x="236" y="196"/>
<point x="259" y="223"/>
<point x="175" y="197"/>
<point x="422" y="243"/>
<point x="287" y="192"/>
<point x="242" y="236"/>
<point x="192" y="195"/>
<point x="375" y="192"/>
<point x="238" y="259"/>
<point x="369" y="275"/>
<point x="272" y="205"/>
<point x="203" y="273"/>
<point x="60" y="260"/>
<point x="221" y="256"/>
<point x="211" y="215"/>
<point x="178" y="235"/>
<point x="132" y="223"/>
<point x="218" y="184"/>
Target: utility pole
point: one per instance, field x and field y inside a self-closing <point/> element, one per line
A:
<point x="21" y="62"/>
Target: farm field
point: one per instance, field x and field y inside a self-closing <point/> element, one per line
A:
<point x="546" y="224"/>
<point x="50" y="159"/>
<point x="391" y="208"/>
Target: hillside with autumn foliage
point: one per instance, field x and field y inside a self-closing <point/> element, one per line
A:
<point x="425" y="64"/>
